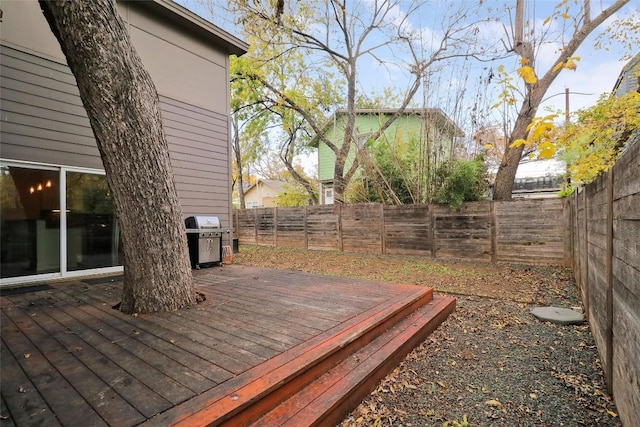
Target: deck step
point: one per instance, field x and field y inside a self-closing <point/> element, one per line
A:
<point x="330" y="397"/>
<point x="393" y="328"/>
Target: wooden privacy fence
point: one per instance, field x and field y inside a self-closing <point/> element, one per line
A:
<point x="605" y="224"/>
<point x="526" y="231"/>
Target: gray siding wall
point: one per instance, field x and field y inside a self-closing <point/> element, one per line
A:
<point x="43" y="120"/>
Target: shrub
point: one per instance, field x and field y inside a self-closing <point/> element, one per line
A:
<point x="464" y="183"/>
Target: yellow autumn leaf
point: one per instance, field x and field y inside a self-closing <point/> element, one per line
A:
<point x="547" y="150"/>
<point x="488" y="146"/>
<point x="570" y="65"/>
<point x="493" y="402"/>
<point x="524" y="61"/>
<point x="565" y="16"/>
<point x="540" y="130"/>
<point x="528" y="74"/>
<point x="501" y="69"/>
<point x="558" y="66"/>
<point x="610" y="412"/>
<point x="546" y="21"/>
<point x="517" y="143"/>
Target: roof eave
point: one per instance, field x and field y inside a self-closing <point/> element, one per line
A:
<point x="184" y="17"/>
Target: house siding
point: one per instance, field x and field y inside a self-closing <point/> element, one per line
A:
<point x="181" y="65"/>
<point x="43" y="120"/>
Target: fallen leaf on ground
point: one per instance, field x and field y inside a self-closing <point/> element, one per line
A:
<point x="493" y="402"/>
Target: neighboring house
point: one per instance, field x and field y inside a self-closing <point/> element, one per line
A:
<point x="430" y="125"/>
<point x="535" y="179"/>
<point x="539" y="178"/>
<point x="57" y="219"/>
<point x="263" y="194"/>
<point x="629" y="79"/>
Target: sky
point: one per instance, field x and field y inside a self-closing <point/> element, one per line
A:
<point x="596" y="73"/>
<point x="457" y="83"/>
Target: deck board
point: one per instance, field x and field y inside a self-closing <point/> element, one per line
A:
<point x="90" y="362"/>
<point x="140" y="396"/>
<point x="68" y="405"/>
<point x="203" y="358"/>
<point x="26" y="406"/>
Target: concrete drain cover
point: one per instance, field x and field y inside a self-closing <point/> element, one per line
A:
<point x="561" y="316"/>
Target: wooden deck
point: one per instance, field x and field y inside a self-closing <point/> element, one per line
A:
<point x="266" y="347"/>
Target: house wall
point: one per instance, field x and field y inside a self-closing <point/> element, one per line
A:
<point x="43" y="119"/>
<point x="403" y="129"/>
<point x="262" y="194"/>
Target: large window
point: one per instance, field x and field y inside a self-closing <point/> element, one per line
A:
<point x="29" y="221"/>
<point x="54" y="221"/>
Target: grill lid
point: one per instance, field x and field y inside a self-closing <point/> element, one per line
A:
<point x="202" y="222"/>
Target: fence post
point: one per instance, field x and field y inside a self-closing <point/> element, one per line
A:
<point x="494" y="232"/>
<point x="432" y="230"/>
<point x="383" y="249"/>
<point x="236" y="222"/>
<point x="306" y="230"/>
<point x="608" y="367"/>
<point x="339" y="225"/>
<point x="568" y="235"/>
<point x="577" y="272"/>
<point x="585" y="230"/>
<point x="275" y="226"/>
<point x="255" y="226"/>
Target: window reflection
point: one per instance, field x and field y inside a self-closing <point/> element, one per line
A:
<point x="93" y="238"/>
<point x="29" y="221"/>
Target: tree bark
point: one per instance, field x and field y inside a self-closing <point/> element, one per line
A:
<point x="124" y="110"/>
<point x="287" y="155"/>
<point x="239" y="166"/>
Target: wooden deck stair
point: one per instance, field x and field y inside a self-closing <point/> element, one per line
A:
<point x="320" y="381"/>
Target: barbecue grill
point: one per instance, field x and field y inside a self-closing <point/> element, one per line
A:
<point x="204" y="237"/>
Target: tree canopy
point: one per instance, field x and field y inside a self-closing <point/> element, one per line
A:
<point x="592" y="142"/>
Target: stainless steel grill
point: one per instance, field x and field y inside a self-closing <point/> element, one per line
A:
<point x="204" y="237"/>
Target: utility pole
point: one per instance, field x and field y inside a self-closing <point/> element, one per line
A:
<point x="566" y="105"/>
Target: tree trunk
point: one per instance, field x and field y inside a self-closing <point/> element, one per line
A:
<point x="287" y="155"/>
<point x="507" y="171"/>
<point x="239" y="166"/>
<point x="124" y="111"/>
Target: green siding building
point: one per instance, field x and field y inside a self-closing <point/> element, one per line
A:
<point x="429" y="127"/>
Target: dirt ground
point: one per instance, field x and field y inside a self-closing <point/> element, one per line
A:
<point x="491" y="363"/>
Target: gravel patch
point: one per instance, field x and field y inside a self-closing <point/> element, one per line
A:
<point x="491" y="363"/>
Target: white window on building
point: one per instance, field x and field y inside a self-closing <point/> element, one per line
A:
<point x="251" y="205"/>
<point x="328" y="196"/>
